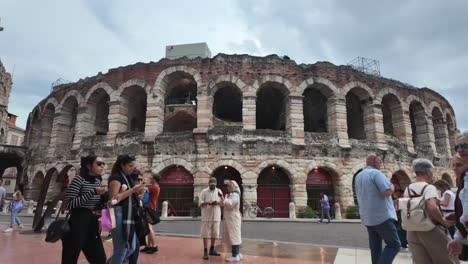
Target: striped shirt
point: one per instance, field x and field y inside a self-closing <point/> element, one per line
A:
<point x="81" y="193"/>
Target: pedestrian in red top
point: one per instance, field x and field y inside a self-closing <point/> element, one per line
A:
<point x="154" y="191"/>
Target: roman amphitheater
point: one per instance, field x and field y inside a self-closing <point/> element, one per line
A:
<point x="285" y="132"/>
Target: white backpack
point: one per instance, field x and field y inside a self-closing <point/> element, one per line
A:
<point x="413" y="212"/>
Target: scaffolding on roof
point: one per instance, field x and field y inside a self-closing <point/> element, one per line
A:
<point x="365" y="65"/>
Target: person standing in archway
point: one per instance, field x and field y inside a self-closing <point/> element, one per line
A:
<point x="324" y="203"/>
<point x="374" y="193"/>
<point x="210" y="203"/>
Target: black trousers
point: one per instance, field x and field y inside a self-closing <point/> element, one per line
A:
<point x="84" y="236"/>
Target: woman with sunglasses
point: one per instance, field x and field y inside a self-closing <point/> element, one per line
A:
<point x="82" y="199"/>
<point x="122" y="190"/>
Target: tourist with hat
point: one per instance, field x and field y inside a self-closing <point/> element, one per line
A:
<point x="210" y="204"/>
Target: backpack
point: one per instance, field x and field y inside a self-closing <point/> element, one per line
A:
<point x="413" y="212"/>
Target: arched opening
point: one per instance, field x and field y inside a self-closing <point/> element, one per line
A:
<point x="227" y="173"/>
<point x="451" y="132"/>
<point x="227" y="105"/>
<point x="418" y="123"/>
<point x="319" y="180"/>
<point x="272" y="106"/>
<point x="448" y="179"/>
<point x="393" y="116"/>
<point x="134" y="98"/>
<point x="55" y="186"/>
<point x="440" y="131"/>
<point x="68" y="116"/>
<point x="180" y="96"/>
<point x="177" y="189"/>
<point x="180" y="121"/>
<point x="47" y="121"/>
<point x="36" y="186"/>
<point x="356" y="104"/>
<point x="315" y="109"/>
<point x="12" y="159"/>
<point x="273" y="190"/>
<point x="98" y="107"/>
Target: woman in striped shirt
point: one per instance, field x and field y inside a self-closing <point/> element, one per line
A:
<point x="83" y="198"/>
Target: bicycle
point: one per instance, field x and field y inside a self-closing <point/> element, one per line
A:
<point x="254" y="210"/>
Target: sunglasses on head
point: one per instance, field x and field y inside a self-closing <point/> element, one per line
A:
<point x="461" y="146"/>
<point x="101" y="163"/>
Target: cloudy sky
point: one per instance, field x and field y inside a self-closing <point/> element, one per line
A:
<point x="424" y="43"/>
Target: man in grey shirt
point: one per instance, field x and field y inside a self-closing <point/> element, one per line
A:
<point x="2" y="195"/>
<point x="374" y="191"/>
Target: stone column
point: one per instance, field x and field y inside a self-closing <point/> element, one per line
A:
<point x="59" y="133"/>
<point x="296" y="120"/>
<point x="154" y="117"/>
<point x="118" y="119"/>
<point x="204" y="112"/>
<point x="337" y="120"/>
<point x="426" y="137"/>
<point x="248" y="112"/>
<point x="442" y="138"/>
<point x="373" y="124"/>
<point x="299" y="195"/>
<point x="84" y="125"/>
<point x="409" y="133"/>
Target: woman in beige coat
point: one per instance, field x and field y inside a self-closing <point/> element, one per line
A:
<point x="232" y="220"/>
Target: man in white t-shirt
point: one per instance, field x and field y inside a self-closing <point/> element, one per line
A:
<point x="210" y="204"/>
<point x="429" y="246"/>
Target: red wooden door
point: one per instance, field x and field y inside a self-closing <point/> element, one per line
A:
<point x="275" y="197"/>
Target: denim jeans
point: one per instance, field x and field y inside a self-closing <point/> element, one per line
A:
<point x="122" y="250"/>
<point x="235" y="250"/>
<point x="386" y="231"/>
<point x="14" y="219"/>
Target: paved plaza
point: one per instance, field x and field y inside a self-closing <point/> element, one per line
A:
<point x="27" y="247"/>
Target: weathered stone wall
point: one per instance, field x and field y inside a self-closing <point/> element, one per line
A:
<point x="243" y="147"/>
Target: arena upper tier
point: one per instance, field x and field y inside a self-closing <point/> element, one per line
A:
<point x="285" y="132"/>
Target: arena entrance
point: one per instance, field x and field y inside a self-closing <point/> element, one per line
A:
<point x="177" y="189"/>
<point x="226" y="173"/>
<point x="319" y="180"/>
<point x="273" y="191"/>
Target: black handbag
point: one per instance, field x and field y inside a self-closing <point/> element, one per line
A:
<point x="152" y="217"/>
<point x="58" y="229"/>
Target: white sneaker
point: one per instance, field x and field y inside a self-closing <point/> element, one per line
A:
<point x="20" y="227"/>
<point x="8" y="230"/>
<point x="240" y="256"/>
<point x="233" y="259"/>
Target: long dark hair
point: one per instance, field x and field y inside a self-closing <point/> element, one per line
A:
<point x="122" y="160"/>
<point x="85" y="161"/>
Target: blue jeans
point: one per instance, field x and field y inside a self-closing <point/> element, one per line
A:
<point x="122" y="250"/>
<point x="386" y="231"/>
<point x="14" y="219"/>
<point x="235" y="250"/>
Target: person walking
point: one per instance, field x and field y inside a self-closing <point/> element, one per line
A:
<point x="153" y="193"/>
<point x="446" y="201"/>
<point x="325" y="205"/>
<point x="210" y="203"/>
<point x="82" y="198"/>
<point x="123" y="192"/>
<point x="232" y="220"/>
<point x="377" y="211"/>
<point x="15" y="207"/>
<point x="429" y="246"/>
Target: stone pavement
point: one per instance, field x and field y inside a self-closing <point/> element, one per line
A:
<point x="27" y="247"/>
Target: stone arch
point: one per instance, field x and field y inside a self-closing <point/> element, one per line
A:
<point x="393" y="115"/>
<point x="351" y="85"/>
<point x="52" y="101"/>
<point x="174" y="161"/>
<point x="35" y="185"/>
<point x="275" y="79"/>
<point x="316" y="108"/>
<point x="358" y="106"/>
<point x="213" y="86"/>
<point x="413" y="98"/>
<point x="161" y="81"/>
<point x="116" y="95"/>
<point x="101" y="85"/>
<point x="177" y="187"/>
<point x="73" y="93"/>
<point x="98" y="108"/>
<point x="66" y="127"/>
<point x="287" y="167"/>
<point x="47" y="120"/>
<point x="330" y="90"/>
<point x="418" y="120"/>
<point x="451" y="128"/>
<point x="226" y="101"/>
<point x="321" y="179"/>
<point x="272" y="106"/>
<point x="220" y="163"/>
